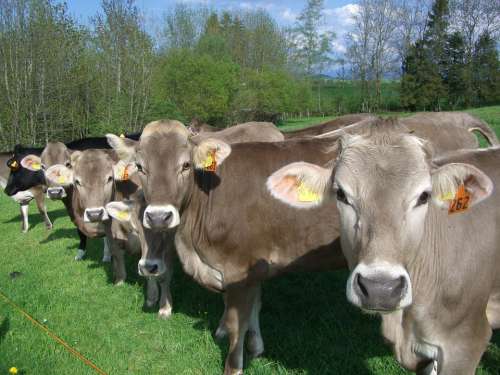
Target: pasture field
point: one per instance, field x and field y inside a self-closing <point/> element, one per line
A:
<point x="307" y="325"/>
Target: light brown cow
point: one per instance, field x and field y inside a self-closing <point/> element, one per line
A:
<point x="230" y="233"/>
<point x="420" y="238"/>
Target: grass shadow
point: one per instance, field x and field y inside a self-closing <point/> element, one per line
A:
<point x="35" y="219"/>
<point x="489" y="361"/>
<point x="4" y="328"/>
<point x="307" y="324"/>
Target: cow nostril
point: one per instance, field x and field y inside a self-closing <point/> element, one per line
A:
<point x="153" y="268"/>
<point x="400" y="287"/>
<point x="168" y="216"/>
<point x="361" y="286"/>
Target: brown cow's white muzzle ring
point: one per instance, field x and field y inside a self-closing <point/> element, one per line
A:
<point x="151" y="267"/>
<point x="161" y="217"/>
<point x="57" y="192"/>
<point x="95" y="215"/>
<point x="380" y="287"/>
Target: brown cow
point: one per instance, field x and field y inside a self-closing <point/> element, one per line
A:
<point x="230" y="233"/>
<point x="420" y="238"/>
<point x="329" y="126"/>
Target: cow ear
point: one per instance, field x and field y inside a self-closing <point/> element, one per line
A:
<point x="458" y="186"/>
<point x="75" y="156"/>
<point x="59" y="175"/>
<point x="301" y="185"/>
<point x="210" y="153"/>
<point x="120" y="210"/>
<point x="124" y="147"/>
<point x="32" y="162"/>
<point x="123" y="170"/>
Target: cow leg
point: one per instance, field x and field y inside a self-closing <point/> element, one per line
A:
<point x="463" y="349"/>
<point x="493" y="310"/>
<point x="40" y="204"/>
<point x="255" y="344"/>
<point x="80" y="254"/>
<point x="24" y="217"/>
<point x="165" y="296"/>
<point x="152" y="291"/>
<point x="106" y="253"/>
<point x="118" y="261"/>
<point x="221" y="331"/>
<point x="239" y="305"/>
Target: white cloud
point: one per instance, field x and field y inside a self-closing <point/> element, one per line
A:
<point x="288" y="15"/>
<point x="340" y="20"/>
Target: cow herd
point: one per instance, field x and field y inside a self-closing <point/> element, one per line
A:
<point x="409" y="205"/>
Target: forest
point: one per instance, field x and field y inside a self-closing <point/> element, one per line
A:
<point x="62" y="79"/>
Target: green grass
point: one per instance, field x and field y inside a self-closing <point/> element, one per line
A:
<point x="308" y="327"/>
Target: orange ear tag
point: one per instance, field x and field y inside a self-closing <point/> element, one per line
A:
<point x="210" y="164"/>
<point x="461" y="201"/>
<point x="125" y="175"/>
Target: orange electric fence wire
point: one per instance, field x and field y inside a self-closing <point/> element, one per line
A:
<point x="54" y="336"/>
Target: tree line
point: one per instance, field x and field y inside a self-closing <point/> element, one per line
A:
<point x="60" y="79"/>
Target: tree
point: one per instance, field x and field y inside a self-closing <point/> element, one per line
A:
<point x="486" y="78"/>
<point x="456" y="71"/>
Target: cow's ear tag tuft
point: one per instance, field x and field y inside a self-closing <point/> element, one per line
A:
<point x="210" y="163"/>
<point x="307" y="195"/>
<point x="461" y="201"/>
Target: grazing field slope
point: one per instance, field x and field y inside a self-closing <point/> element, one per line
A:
<point x="307" y="324"/>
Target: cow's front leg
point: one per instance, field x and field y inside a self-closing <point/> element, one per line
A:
<point x="24" y="217"/>
<point x="82" y="246"/>
<point x="239" y="303"/>
<point x="255" y="344"/>
<point x="118" y="261"/>
<point x="40" y="204"/>
<point x="106" y="252"/>
<point x="463" y="348"/>
<point x="165" y="296"/>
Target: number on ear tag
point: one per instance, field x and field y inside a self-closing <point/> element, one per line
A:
<point x="306" y="194"/>
<point x="461" y="201"/>
<point x="210" y="163"/>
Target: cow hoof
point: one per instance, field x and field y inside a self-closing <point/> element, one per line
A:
<point x="24" y="230"/>
<point x="80" y="254"/>
<point x="255" y="345"/>
<point x="165" y="313"/>
<point x="230" y="371"/>
<point x="119" y="282"/>
<point x="220" y="333"/>
<point x="48" y="226"/>
<point x="106" y="258"/>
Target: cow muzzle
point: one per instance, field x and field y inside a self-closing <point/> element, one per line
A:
<point x="57" y="192"/>
<point x="379" y="287"/>
<point x="161" y="217"/>
<point x="151" y="267"/>
<point x="95" y="215"/>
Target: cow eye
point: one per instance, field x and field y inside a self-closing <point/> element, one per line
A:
<point x="77" y="182"/>
<point x="110" y="178"/>
<point x="186" y="165"/>
<point x="67" y="164"/>
<point x="341" y="197"/>
<point x="139" y="167"/>
<point x="423" y="198"/>
<point x="44" y="167"/>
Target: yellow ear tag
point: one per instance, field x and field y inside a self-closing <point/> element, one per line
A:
<point x="123" y="215"/>
<point x="210" y="163"/>
<point x="446" y="197"/>
<point x="461" y="201"/>
<point x="61" y="180"/>
<point x="122" y="135"/>
<point x="36" y="166"/>
<point x="306" y="194"/>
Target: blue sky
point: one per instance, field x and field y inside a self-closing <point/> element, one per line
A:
<point x="337" y="12"/>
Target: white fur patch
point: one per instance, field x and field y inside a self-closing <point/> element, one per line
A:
<point x="80" y="254"/>
<point x="56" y="190"/>
<point x="167" y="208"/>
<point x="24" y="213"/>
<point x="377" y="269"/>
<point x="23" y="197"/>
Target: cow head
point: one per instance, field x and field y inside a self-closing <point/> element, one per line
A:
<point x="20" y="178"/>
<point x="166" y="159"/>
<point x="91" y="174"/>
<point x="388" y="193"/>
<point x="54" y="153"/>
